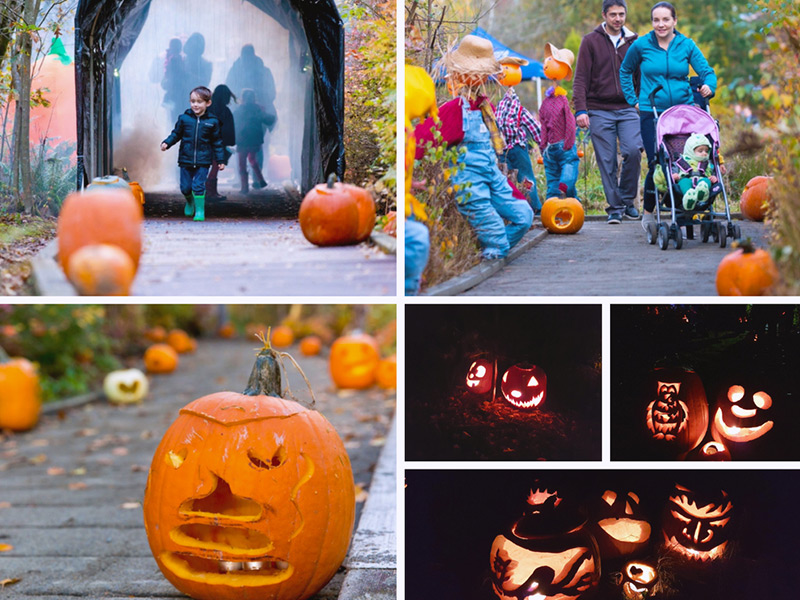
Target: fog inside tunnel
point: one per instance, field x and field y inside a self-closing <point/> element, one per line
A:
<point x="145" y="117"/>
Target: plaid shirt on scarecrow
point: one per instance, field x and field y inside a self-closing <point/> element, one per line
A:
<point x="516" y="122"/>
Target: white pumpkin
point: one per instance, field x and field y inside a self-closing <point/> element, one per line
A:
<point x="126" y="386"/>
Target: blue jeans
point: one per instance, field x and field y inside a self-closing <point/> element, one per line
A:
<point x="193" y="181"/>
<point x="647" y="124"/>
<point x="561" y="166"/>
<point x="517" y="157"/>
<point x="418" y="245"/>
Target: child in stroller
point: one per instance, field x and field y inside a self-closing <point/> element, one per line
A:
<point x="693" y="173"/>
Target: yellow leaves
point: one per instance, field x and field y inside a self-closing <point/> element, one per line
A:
<point x="6" y="547"/>
<point x="9" y="581"/>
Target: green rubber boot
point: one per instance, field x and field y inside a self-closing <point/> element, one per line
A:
<point x="188" y="210"/>
<point x="199" y="208"/>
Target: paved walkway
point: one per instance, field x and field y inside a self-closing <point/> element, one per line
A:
<point x="71" y="489"/>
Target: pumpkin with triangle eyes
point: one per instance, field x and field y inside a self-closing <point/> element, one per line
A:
<point x="696" y="525"/>
<point x="677" y="419"/>
<point x="480" y="377"/>
<point x="525" y="386"/>
<point x="741" y="416"/>
<point x="620" y="527"/>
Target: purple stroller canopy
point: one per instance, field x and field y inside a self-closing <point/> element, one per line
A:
<point x="685" y="119"/>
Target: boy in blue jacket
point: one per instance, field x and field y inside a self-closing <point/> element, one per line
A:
<point x="199" y="134"/>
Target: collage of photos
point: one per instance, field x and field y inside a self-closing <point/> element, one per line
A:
<point x="229" y="371"/>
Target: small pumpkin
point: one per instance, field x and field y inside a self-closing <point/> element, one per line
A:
<point x="480" y="376"/>
<point x="353" y="361"/>
<point x="539" y="160"/>
<point x="562" y="215"/>
<point x="310" y="345"/>
<point x="714" y="452"/>
<point x="226" y="330"/>
<point x="181" y="341"/>
<point x="20" y="395"/>
<point x="126" y="386"/>
<point x="511" y="76"/>
<point x="102" y="215"/>
<point x="160" y="358"/>
<point x="101" y="270"/>
<point x="755" y="198"/>
<point x="386" y="373"/>
<point x="329" y="215"/>
<point x="137" y="190"/>
<point x="555" y="69"/>
<point x="156" y="334"/>
<point x="746" y="271"/>
<point x="250" y="496"/>
<point x="581" y="153"/>
<point x="639" y="580"/>
<point x="282" y="336"/>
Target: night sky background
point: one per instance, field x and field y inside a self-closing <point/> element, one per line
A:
<point x="452" y="517"/>
<point x="757" y="346"/>
<point x="444" y="421"/>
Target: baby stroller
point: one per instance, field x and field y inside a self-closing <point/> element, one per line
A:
<point x="673" y="128"/>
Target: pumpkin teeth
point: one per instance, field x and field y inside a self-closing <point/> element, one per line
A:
<point x="265" y="570"/>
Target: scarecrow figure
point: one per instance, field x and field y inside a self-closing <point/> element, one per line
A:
<point x="485" y="197"/>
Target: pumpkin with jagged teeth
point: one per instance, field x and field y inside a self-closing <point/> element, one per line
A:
<point x="524" y="386"/>
<point x="696" y="524"/>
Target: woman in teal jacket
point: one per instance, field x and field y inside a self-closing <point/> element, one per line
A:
<point x="663" y="57"/>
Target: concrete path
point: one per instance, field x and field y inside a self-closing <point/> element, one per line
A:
<point x="71" y="489"/>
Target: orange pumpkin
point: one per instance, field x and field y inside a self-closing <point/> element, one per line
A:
<point x="160" y="358"/>
<point x="20" y="398"/>
<point x="755" y="198"/>
<point x="250" y="496"/>
<point x="555" y="69"/>
<point x="181" y="341"/>
<point x="511" y="76"/>
<point x="353" y="361"/>
<point x="101" y="270"/>
<point x="581" y="153"/>
<point x="386" y="373"/>
<point x="366" y="210"/>
<point x="746" y="272"/>
<point x="329" y="215"/>
<point x="562" y="215"/>
<point x="137" y="190"/>
<point x="539" y="160"/>
<point x="102" y="215"/>
<point x="226" y="331"/>
<point x="282" y="336"/>
<point x="310" y="345"/>
<point x="156" y="334"/>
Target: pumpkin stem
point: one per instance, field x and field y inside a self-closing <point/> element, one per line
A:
<point x="746" y="245"/>
<point x="265" y="378"/>
<point x="308" y="383"/>
<point x="4" y="357"/>
<point x="331" y="180"/>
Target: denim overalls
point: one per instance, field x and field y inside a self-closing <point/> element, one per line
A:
<point x="489" y="200"/>
<point x="561" y="166"/>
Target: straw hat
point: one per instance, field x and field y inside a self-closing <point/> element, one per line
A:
<point x="504" y="58"/>
<point x="474" y="56"/>
<point x="564" y="56"/>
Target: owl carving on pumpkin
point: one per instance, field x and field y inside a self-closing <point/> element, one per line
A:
<point x="667" y="415"/>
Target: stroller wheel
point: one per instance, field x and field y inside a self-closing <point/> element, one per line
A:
<point x="737" y="232"/>
<point x="651" y="233"/>
<point x="663" y="236"/>
<point x="675" y="233"/>
<point x="722" y="234"/>
<point x="705" y="231"/>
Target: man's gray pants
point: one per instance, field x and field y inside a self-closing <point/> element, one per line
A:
<point x="608" y="126"/>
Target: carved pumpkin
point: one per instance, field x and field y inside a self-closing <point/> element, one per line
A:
<point x="181" y="341"/>
<point x="20" y="396"/>
<point x="101" y="270"/>
<point x="511" y="76"/>
<point x="310" y="345"/>
<point x="160" y="358"/>
<point x="746" y="272"/>
<point x="329" y="215"/>
<point x="714" y="452"/>
<point x="740" y="415"/>
<point x="755" y="198"/>
<point x="365" y="205"/>
<point x="620" y="527"/>
<point x="282" y="336"/>
<point x="639" y="580"/>
<point x="562" y="215"/>
<point x="545" y="555"/>
<point x="250" y="496"/>
<point x="524" y="385"/>
<point x="480" y="377"/>
<point x="102" y="215"/>
<point x="696" y="524"/>
<point x="386" y="373"/>
<point x="677" y="420"/>
<point x="353" y="361"/>
<point x="126" y="386"/>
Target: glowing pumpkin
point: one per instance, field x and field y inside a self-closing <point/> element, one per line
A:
<point x="620" y="527"/>
<point x="714" y="452"/>
<point x="740" y="415"/>
<point x="562" y="215"/>
<point x="524" y="386"/>
<point x="677" y="420"/>
<point x="696" y="524"/>
<point x="480" y="377"/>
<point x="20" y="396"/>
<point x="125" y="386"/>
<point x="353" y="361"/>
<point x="639" y="580"/>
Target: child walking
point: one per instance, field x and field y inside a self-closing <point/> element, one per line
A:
<point x="199" y="134"/>
<point x="252" y="121"/>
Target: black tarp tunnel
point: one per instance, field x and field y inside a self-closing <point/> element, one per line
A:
<point x="105" y="31"/>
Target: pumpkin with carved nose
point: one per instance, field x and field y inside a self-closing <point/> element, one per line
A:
<point x="696" y="525"/>
<point x="524" y="386"/>
<point x="250" y="496"/>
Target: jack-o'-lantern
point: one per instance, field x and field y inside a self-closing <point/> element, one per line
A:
<point x="555" y="70"/>
<point x="250" y="496"/>
<point x="386" y="373"/>
<point x="677" y="419"/>
<point x="639" y="580"/>
<point x="480" y="377"/>
<point x="20" y="395"/>
<point x="125" y="386"/>
<point x="696" y="524"/>
<point x="620" y="527"/>
<point x="525" y="386"/>
<point x="740" y="415"/>
<point x="353" y="361"/>
<point x="562" y="215"/>
<point x="545" y="554"/>
<point x="714" y="452"/>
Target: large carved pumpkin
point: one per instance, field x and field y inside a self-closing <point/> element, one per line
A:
<point x="524" y="386"/>
<point x="619" y="525"/>
<point x="250" y="496"/>
<point x="741" y="415"/>
<point x="696" y="524"/>
<point x="677" y="419"/>
<point x="20" y="397"/>
<point x="545" y="555"/>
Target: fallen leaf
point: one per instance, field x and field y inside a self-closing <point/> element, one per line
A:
<point x="78" y="471"/>
<point x="55" y="471"/>
<point x="138" y="468"/>
<point x="352" y="444"/>
<point x="377" y="441"/>
<point x="361" y="493"/>
<point x="146" y="435"/>
<point x="38" y="459"/>
<point x="40" y="443"/>
<point x="130" y="505"/>
<point x="85" y="432"/>
<point x="120" y="451"/>
<point x="78" y="485"/>
<point x="5" y="504"/>
<point x="6" y="547"/>
<point x="5" y="582"/>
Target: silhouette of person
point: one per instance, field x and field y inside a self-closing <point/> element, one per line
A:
<point x="219" y="108"/>
<point x="172" y="80"/>
<point x="198" y="69"/>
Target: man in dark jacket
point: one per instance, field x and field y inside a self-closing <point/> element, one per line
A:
<point x="198" y="132"/>
<point x="600" y="105"/>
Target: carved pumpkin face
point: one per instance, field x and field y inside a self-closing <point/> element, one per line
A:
<point x="480" y="376"/>
<point x="714" y="451"/>
<point x="353" y="361"/>
<point x="249" y="497"/>
<point x="534" y="561"/>
<point x="125" y="386"/>
<point x="524" y="386"/>
<point x="638" y="580"/>
<point x="696" y="525"/>
<point x="678" y="418"/>
<point x="740" y="415"/>
<point x="621" y="528"/>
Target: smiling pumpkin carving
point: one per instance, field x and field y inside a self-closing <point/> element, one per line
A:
<point x="525" y="386"/>
<point x="480" y="376"/>
<point x="740" y="415"/>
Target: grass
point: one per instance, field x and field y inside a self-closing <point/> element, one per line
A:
<point x="21" y="228"/>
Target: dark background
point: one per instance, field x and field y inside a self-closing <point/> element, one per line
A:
<point x="756" y="345"/>
<point x="452" y="517"/>
<point x="444" y="421"/>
